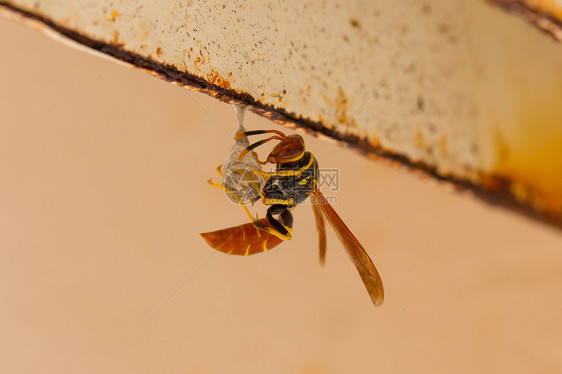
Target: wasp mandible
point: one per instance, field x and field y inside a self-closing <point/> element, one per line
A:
<point x="294" y="180"/>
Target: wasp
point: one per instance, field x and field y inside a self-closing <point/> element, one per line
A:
<point x="294" y="179"/>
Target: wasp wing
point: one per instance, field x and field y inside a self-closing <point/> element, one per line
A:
<point x="243" y="240"/>
<point x="321" y="227"/>
<point x="354" y="249"/>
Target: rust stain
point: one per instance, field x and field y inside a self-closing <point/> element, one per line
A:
<point x="546" y="15"/>
<point x="113" y="16"/>
<point x="279" y="97"/>
<point x="196" y="62"/>
<point x="212" y="76"/>
<point x="342" y="105"/>
<point x="419" y="139"/>
<point x="201" y="55"/>
<point x="551" y="7"/>
<point x="65" y="22"/>
<point x="443" y="145"/>
<point x="215" y="78"/>
<point x="199" y="60"/>
<point x="531" y="158"/>
<point x="375" y="141"/>
<point x="115" y="40"/>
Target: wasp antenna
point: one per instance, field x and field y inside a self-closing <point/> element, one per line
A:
<point x="258" y="132"/>
<point x="257" y="144"/>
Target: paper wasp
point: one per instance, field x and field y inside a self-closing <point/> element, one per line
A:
<point x="294" y="180"/>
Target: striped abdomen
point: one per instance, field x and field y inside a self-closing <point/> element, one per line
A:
<point x="243" y="240"/>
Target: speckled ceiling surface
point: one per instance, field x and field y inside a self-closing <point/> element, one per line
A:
<point x="453" y="87"/>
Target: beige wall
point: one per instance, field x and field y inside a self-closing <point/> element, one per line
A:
<point x="103" y="193"/>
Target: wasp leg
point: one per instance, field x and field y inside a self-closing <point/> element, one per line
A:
<point x="219" y="169"/>
<point x="281" y="173"/>
<point x="258" y="160"/>
<point x="253" y="182"/>
<point x="282" y="229"/>
<point x="235" y="196"/>
<point x="269" y="201"/>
